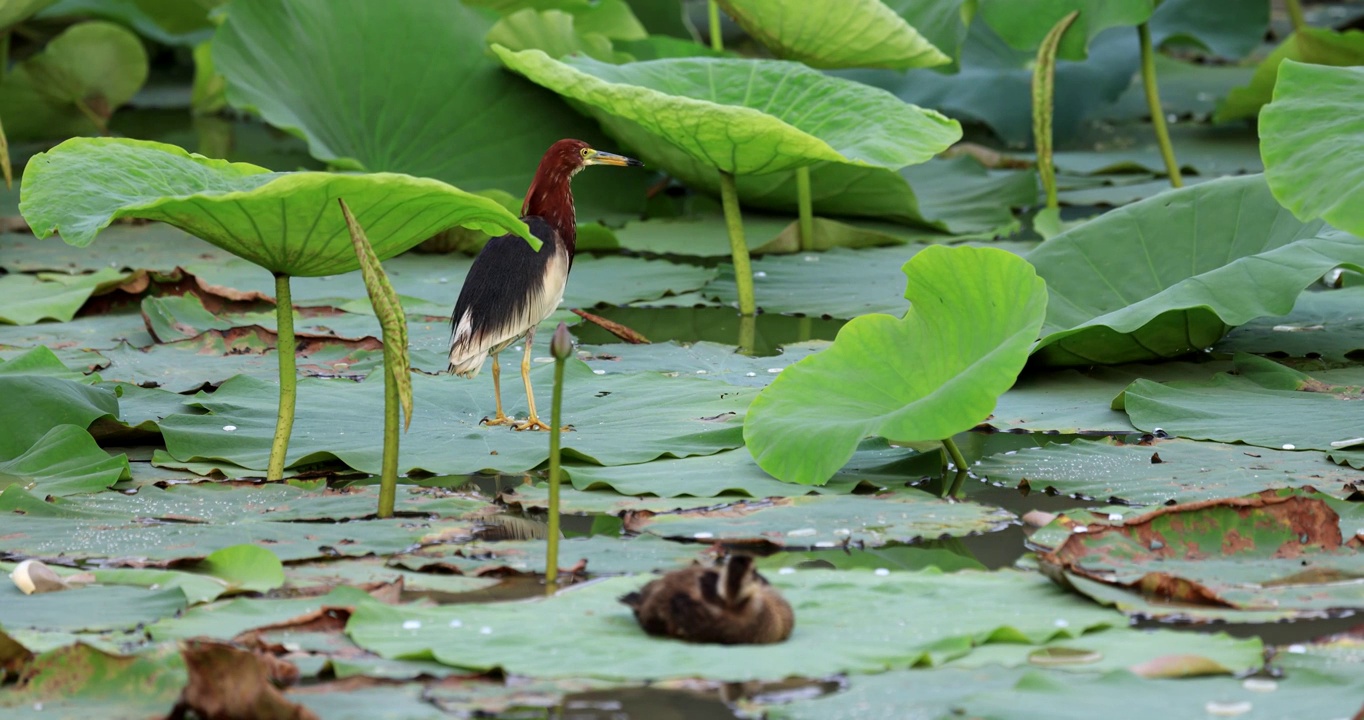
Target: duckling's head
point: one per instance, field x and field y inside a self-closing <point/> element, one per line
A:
<point x="738" y="581"/>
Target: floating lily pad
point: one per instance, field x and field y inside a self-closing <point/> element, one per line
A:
<point x="830" y="636"/>
<point x="833" y="34"/>
<point x="280" y="221"/>
<point x="90" y="608"/>
<point x="84" y="681"/>
<point x="92" y="332"/>
<point x="65" y="461"/>
<point x="1314" y="172"/>
<point x="1235" y="408"/>
<point x="604" y="555"/>
<point x="1164" y="471"/>
<point x="831" y="520"/>
<point x="28" y="299"/>
<point x="155" y="247"/>
<point x="891" y="377"/>
<point x="226" y="619"/>
<point x="617" y="419"/>
<point x="1149" y="653"/>
<point x="1215" y="255"/>
<point x="1326" y="323"/>
<point x="48" y="402"/>
<point x="706" y="360"/>
<point x="734" y="472"/>
<point x="370" y="572"/>
<point x="1272" y="553"/>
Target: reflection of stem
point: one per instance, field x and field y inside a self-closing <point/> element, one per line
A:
<point x="556" y="406"/>
<point x="957" y="459"/>
<point x="805" y="328"/>
<point x="738" y="249"/>
<point x="807" y="213"/>
<point x="288" y="377"/>
<point x="1295" y="14"/>
<point x="1148" y="80"/>
<point x="748" y="334"/>
<point x="388" y="477"/>
<point x="717" y="41"/>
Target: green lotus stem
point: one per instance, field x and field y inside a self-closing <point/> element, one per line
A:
<point x="5" y="165"/>
<point x="388" y="474"/>
<point x="1148" y="80"/>
<point x="738" y="249"/>
<point x="4" y="55"/>
<point x="955" y="453"/>
<point x="806" y="208"/>
<point x="1043" y="91"/>
<point x="288" y="377"/>
<point x="560" y="347"/>
<point x="1294" y="14"/>
<point x="717" y="41"/>
<point x="748" y="334"/>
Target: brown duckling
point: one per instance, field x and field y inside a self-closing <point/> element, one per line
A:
<point x="730" y="604"/>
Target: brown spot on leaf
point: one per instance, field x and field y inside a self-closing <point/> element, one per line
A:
<point x="227" y="683"/>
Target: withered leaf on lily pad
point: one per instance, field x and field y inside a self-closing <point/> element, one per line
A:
<point x="1272" y="552"/>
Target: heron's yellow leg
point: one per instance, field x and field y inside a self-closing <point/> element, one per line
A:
<point x="532" y="421"/>
<point x="501" y="417"/>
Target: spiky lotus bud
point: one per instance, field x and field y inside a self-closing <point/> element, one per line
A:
<point x="561" y="346"/>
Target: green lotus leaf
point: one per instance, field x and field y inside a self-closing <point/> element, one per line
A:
<point x="65" y="461"/>
<point x="832" y="633"/>
<point x="746" y="117"/>
<point x="974" y="315"/>
<point x="1173" y="273"/>
<point x="1225" y="28"/>
<point x="1024" y="24"/>
<point x="284" y="222"/>
<point x="1318" y="46"/>
<point x="835" y="33"/>
<point x="74" y="84"/>
<point x="12" y="12"/>
<point x="357" y="81"/>
<point x="171" y="22"/>
<point x="551" y="31"/>
<point x="1312" y="140"/>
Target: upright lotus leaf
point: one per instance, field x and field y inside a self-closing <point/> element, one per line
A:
<point x="170" y="22"/>
<point x="74" y="84"/>
<point x="1025" y="24"/>
<point x="1312" y="142"/>
<point x="12" y="12"/>
<point x="973" y="318"/>
<point x="746" y="117"/>
<point x="1318" y="46"/>
<point x="284" y="222"/>
<point x="553" y="32"/>
<point x="835" y="33"/>
<point x="406" y="87"/>
<point x="1173" y="273"/>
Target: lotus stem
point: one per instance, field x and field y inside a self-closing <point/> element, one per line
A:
<point x="959" y="461"/>
<point x="288" y="377"/>
<point x="717" y="39"/>
<point x="5" y="165"/>
<point x="561" y="347"/>
<point x="1148" y="80"/>
<point x="806" y="208"/>
<point x="748" y="334"/>
<point x="1294" y="14"/>
<point x="1043" y="91"/>
<point x="738" y="249"/>
<point x="388" y="475"/>
<point x="4" y="55"/>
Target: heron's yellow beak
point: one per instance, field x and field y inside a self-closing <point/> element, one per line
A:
<point x="597" y="157"/>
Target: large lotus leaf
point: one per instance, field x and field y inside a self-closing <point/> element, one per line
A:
<point x="172" y="22"/>
<point x="65" y="461"/>
<point x="81" y="680"/>
<point x="226" y="619"/>
<point x="1281" y="553"/>
<point x="832" y="632"/>
<point x="1163" y="471"/>
<point x="1216" y="255"/>
<point x="734" y="472"/>
<point x="1024" y="25"/>
<point x="322" y="576"/>
<point x="941" y="22"/>
<point x="617" y="419"/>
<point x="1151" y="653"/>
<point x="974" y="315"/>
<point x="1312" y="139"/>
<point x="747" y="117"/>
<point x="1232" y="408"/>
<point x="835" y="33"/>
<point x="1075" y="401"/>
<point x="377" y="104"/>
<point x="603" y="555"/>
<point x="1325" y="323"/>
<point x="707" y="360"/>
<point x="284" y="222"/>
<point x="47" y="402"/>
<point x="26" y="299"/>
<point x="826" y="521"/>
<point x="89" y="608"/>
<point x="1318" y="46"/>
<point x="155" y="247"/>
<point x="1225" y="28"/>
<point x="114" y="527"/>
<point x="82" y="75"/>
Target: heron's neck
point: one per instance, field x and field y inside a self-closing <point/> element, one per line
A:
<point x="551" y="197"/>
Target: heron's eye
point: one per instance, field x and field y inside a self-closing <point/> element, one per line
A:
<point x="584" y="152"/>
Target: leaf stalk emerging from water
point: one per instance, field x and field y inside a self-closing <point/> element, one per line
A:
<point x="1043" y="93"/>
<point x="734" y="220"/>
<point x="806" y="208"/>
<point x="288" y="377"/>
<point x="1148" y="81"/>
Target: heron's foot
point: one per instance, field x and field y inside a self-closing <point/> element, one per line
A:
<point x="535" y="423"/>
<point x="499" y="420"/>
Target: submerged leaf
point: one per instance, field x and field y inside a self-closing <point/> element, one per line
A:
<point x="974" y="315"/>
<point x="283" y="222"/>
